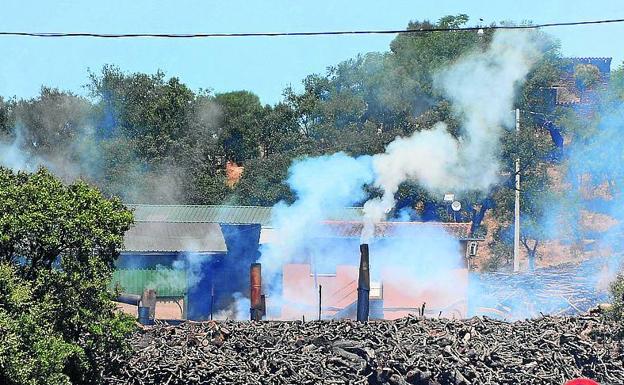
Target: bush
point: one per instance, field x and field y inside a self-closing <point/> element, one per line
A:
<point x="58" y="245"/>
<point x="31" y="352"/>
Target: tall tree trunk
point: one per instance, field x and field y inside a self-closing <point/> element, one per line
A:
<point x="477" y="216"/>
<point x="531" y="253"/>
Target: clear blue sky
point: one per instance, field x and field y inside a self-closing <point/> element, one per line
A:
<point x="262" y="65"/>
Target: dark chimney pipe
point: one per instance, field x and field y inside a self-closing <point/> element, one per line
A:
<point x="255" y="278"/>
<point x="146" y="305"/>
<point x="130" y="299"/>
<point x="363" y="285"/>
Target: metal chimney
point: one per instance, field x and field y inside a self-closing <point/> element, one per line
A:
<point x="130" y="299"/>
<point x="363" y="285"/>
<point x="255" y="295"/>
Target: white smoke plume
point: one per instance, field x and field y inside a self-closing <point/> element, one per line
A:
<point x="598" y="160"/>
<point x="481" y="87"/>
<point x="14" y="157"/>
<point x="237" y="310"/>
<point x="65" y="134"/>
<point x="322" y="185"/>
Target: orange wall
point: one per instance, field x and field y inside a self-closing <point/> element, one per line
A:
<point x="401" y="296"/>
<point x="300" y="296"/>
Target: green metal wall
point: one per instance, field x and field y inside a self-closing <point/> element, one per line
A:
<point x="166" y="282"/>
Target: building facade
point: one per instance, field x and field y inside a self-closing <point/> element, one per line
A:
<point x="197" y="259"/>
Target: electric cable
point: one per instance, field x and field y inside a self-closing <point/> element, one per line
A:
<point x="308" y="33"/>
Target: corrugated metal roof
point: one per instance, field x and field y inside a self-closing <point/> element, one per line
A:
<point x="388" y="229"/>
<point x="174" y="237"/>
<point x="347" y="221"/>
<point x="202" y="214"/>
<point x="221" y="214"/>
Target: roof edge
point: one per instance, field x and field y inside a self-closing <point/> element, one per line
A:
<point x="168" y="252"/>
<point x="399" y="222"/>
<point x="186" y="205"/>
<point x="603" y="58"/>
<point x="224" y="206"/>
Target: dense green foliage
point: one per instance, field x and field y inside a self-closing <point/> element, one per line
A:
<point x="537" y="151"/>
<point x="30" y="353"/>
<point x="58" y="244"/>
<point x="149" y="139"/>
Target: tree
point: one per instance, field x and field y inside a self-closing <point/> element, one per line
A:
<point x="5" y="116"/>
<point x="263" y="181"/>
<point x="240" y="124"/>
<point x="142" y="107"/>
<point x="58" y="245"/>
<point x="586" y="76"/>
<point x="30" y="353"/>
<point x="362" y="104"/>
<point x="155" y="136"/>
<point x="532" y="146"/>
<point x="157" y="141"/>
<point x="52" y="120"/>
<point x="417" y="57"/>
<point x="50" y="128"/>
<point x="279" y="131"/>
<point x="307" y="105"/>
<point x="615" y="92"/>
<point x="382" y="95"/>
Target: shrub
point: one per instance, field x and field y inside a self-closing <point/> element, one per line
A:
<point x="58" y="245"/>
<point x="31" y="352"/>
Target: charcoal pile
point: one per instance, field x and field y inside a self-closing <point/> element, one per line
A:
<point x="412" y="350"/>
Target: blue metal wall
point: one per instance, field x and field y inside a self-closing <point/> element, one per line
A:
<point x="227" y="274"/>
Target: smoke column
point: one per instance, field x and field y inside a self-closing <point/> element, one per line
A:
<point x="322" y="185"/>
<point x="13" y="157"/>
<point x="598" y="160"/>
<point x="65" y="134"/>
<point x="481" y="87"/>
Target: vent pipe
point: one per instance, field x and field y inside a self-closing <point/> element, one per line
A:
<point x="130" y="299"/>
<point x="255" y="295"/>
<point x="363" y="290"/>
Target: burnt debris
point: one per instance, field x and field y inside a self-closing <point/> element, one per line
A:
<point x="412" y="350"/>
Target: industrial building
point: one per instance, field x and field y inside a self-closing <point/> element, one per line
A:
<point x="197" y="258"/>
<point x="194" y="257"/>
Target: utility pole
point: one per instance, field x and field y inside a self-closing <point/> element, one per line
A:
<point x="516" y="255"/>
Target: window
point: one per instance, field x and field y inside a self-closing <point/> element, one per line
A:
<point x="473" y="249"/>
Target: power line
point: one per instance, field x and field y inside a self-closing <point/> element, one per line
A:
<point x="317" y="33"/>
